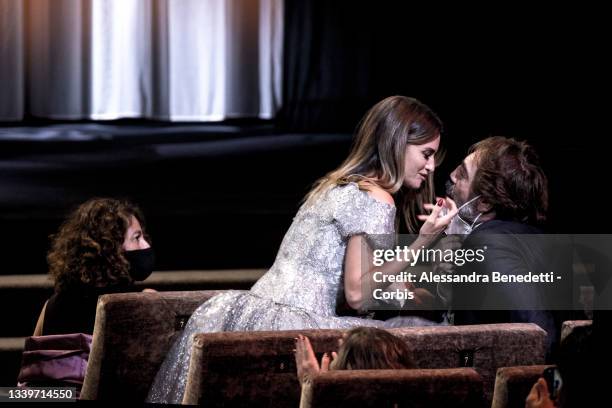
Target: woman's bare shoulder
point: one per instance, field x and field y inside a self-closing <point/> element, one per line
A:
<point x="377" y="192"/>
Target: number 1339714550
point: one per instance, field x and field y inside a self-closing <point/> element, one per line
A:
<point x="37" y="394"/>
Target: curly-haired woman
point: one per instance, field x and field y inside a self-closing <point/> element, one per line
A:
<point x="101" y="248"/>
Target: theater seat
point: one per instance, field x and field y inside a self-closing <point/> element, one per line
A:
<point x="132" y="334"/>
<point x="484" y="347"/>
<point x="259" y="368"/>
<point x="512" y="385"/>
<point x="447" y="387"/>
<point x="569" y="325"/>
<point x="249" y="368"/>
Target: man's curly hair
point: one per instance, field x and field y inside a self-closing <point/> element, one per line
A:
<point x="509" y="178"/>
<point x="87" y="251"/>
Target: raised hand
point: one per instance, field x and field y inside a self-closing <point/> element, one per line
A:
<point x="435" y="223"/>
<point x="306" y="361"/>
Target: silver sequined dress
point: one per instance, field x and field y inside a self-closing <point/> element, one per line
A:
<point x="301" y="288"/>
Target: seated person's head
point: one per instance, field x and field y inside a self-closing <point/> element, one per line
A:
<point x="576" y="369"/>
<point x="365" y="348"/>
<point x="101" y="244"/>
<point x="506" y="176"/>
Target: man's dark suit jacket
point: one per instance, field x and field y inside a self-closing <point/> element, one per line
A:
<point x="511" y="252"/>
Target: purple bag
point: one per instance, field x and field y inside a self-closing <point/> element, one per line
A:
<point x="55" y="360"/>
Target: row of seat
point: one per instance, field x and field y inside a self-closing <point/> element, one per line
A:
<point x="134" y="331"/>
<point x="24" y="296"/>
<point x="448" y="387"/>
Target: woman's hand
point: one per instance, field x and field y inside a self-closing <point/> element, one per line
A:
<point x="306" y="361"/>
<point x="434" y="223"/>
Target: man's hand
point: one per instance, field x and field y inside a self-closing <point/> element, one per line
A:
<point x="449" y="242"/>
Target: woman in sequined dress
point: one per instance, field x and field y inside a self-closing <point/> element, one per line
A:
<point x="388" y="174"/>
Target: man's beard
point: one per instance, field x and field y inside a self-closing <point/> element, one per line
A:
<point x="450" y="189"/>
<point x="467" y="213"/>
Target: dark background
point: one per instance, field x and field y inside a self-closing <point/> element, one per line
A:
<point x="222" y="195"/>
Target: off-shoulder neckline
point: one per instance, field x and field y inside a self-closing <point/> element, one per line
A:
<point x="375" y="200"/>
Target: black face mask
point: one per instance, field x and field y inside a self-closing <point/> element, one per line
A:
<point x="141" y="263"/>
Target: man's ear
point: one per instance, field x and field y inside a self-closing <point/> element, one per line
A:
<point x="538" y="396"/>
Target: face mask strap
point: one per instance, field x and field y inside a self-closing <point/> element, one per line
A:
<point x="474" y="223"/>
<point x="467" y="224"/>
<point x="469" y="201"/>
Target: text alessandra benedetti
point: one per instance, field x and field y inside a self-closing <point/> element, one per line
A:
<point x="494" y="277"/>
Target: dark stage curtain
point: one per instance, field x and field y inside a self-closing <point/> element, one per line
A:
<point x="532" y="73"/>
<point x="340" y="58"/>
<point x="495" y="70"/>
